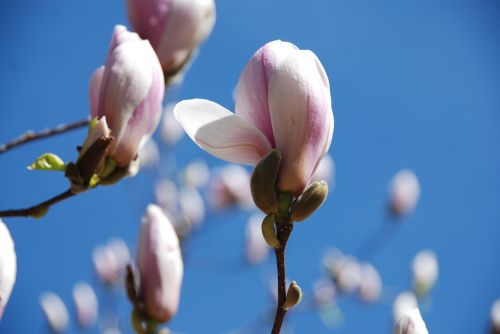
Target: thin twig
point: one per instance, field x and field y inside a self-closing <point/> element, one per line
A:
<point x="30" y="136"/>
<point x="283" y="228"/>
<point x="38" y="209"/>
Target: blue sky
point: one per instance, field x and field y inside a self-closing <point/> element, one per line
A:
<point x="415" y="84"/>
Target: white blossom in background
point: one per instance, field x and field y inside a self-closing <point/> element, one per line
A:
<point x="370" y="287"/>
<point x="332" y="261"/>
<point x="110" y="260"/>
<point x="8" y="266"/>
<point x="197" y="174"/>
<point x="495" y="316"/>
<point x="324" y="292"/>
<point x="192" y="206"/>
<point x="256" y="247"/>
<point x="231" y="186"/>
<point x="425" y="270"/>
<point x="167" y="195"/>
<point x="325" y="171"/>
<point x="170" y="131"/>
<point x="55" y="311"/>
<point x="404" y="192"/>
<point x="86" y="304"/>
<point x="404" y="303"/>
<point x="411" y="323"/>
<point x="349" y="275"/>
<point x="149" y="155"/>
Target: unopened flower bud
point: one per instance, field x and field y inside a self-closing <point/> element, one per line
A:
<point x="495" y="317"/>
<point x="293" y="296"/>
<point x="310" y="200"/>
<point x="269" y="231"/>
<point x="425" y="271"/>
<point x="86" y="304"/>
<point x="370" y="286"/>
<point x="404" y="303"/>
<point x="55" y="311"/>
<point x="8" y="266"/>
<point x="263" y="182"/>
<point x="411" y="323"/>
<point x="404" y="192"/>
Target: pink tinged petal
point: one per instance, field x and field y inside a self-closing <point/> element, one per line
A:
<point x="55" y="311"/>
<point x="95" y="91"/>
<point x="160" y="264"/>
<point x="252" y="91"/>
<point x="101" y="129"/>
<point x="189" y="23"/>
<point x="148" y="18"/>
<point x="8" y="266"/>
<point x="86" y="304"/>
<point x="220" y="132"/>
<point x="302" y="118"/>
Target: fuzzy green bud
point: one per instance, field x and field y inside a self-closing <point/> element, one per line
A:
<point x="269" y="232"/>
<point x="48" y="161"/>
<point x="293" y="296"/>
<point x="263" y="182"/>
<point x="309" y="201"/>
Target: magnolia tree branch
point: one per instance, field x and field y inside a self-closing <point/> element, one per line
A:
<point x="38" y="209"/>
<point x="284" y="228"/>
<point x="30" y="136"/>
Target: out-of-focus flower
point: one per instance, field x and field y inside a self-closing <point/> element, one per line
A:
<point x="110" y="260"/>
<point x="349" y="275"/>
<point x="283" y="101"/>
<point x="197" y="174"/>
<point x="192" y="206"/>
<point x="256" y="247"/>
<point x="174" y="27"/>
<point x="231" y="186"/>
<point x="324" y="292"/>
<point x="332" y="261"/>
<point x="411" y="323"/>
<point x="404" y="303"/>
<point x="167" y="195"/>
<point x="149" y="155"/>
<point x="325" y="171"/>
<point x="128" y="90"/>
<point x="55" y="311"/>
<point x="425" y="271"/>
<point x="404" y="192"/>
<point x="8" y="266"/>
<point x="171" y="131"/>
<point x="86" y="304"/>
<point x="160" y="264"/>
<point x="370" y="286"/>
<point x="495" y="317"/>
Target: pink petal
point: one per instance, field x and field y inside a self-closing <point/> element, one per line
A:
<point x="220" y="132"/>
<point x="95" y="91"/>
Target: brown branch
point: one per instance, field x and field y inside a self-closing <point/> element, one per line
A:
<point x="284" y="228"/>
<point x="30" y="136"/>
<point x="38" y="209"/>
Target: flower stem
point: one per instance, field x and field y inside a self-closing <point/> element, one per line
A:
<point x="30" y="136"/>
<point x="38" y="209"/>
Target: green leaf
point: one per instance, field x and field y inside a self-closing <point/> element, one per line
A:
<point x="48" y="161"/>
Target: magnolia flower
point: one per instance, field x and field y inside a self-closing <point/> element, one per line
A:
<point x="411" y="323"/>
<point x="197" y="174"/>
<point x="171" y="131"/>
<point x="283" y="101"/>
<point x="86" y="304"/>
<point x="192" y="206"/>
<point x="160" y="264"/>
<point x="167" y="195"/>
<point x="370" y="286"/>
<point x="425" y="271"/>
<point x="8" y="266"/>
<point x="404" y="192"/>
<point x="55" y="311"/>
<point x="404" y="303"/>
<point x="324" y="292"/>
<point x="110" y="260"/>
<point x="256" y="247"/>
<point x="149" y="155"/>
<point x="174" y="27"/>
<point x="231" y="185"/>
<point x="128" y="91"/>
<point x="495" y="316"/>
<point x="349" y="275"/>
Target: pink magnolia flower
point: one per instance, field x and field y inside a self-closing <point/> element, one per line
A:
<point x="174" y="27"/>
<point x="128" y="91"/>
<point x="160" y="264"/>
<point x="404" y="192"/>
<point x="283" y="101"/>
<point x="86" y="304"/>
<point x="8" y="266"/>
<point x="55" y="311"/>
<point x="411" y="323"/>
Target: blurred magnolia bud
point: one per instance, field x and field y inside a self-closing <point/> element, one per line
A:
<point x="55" y="311"/>
<point x="268" y="230"/>
<point x="425" y="271"/>
<point x="263" y="182"/>
<point x="495" y="317"/>
<point x="167" y="195"/>
<point x="171" y="131"/>
<point x="192" y="206"/>
<point x="231" y="186"/>
<point x="349" y="275"/>
<point x="404" y="303"/>
<point x="160" y="265"/>
<point x="309" y="201"/>
<point x="332" y="262"/>
<point x="404" y="192"/>
<point x="325" y="171"/>
<point x="174" y="27"/>
<point x="293" y="296"/>
<point x="370" y="286"/>
<point x="86" y="304"/>
<point x="149" y="155"/>
<point x="324" y="292"/>
<point x="411" y="323"/>
<point x="110" y="260"/>
<point x="197" y="174"/>
<point x="8" y="266"/>
<point x="256" y="247"/>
